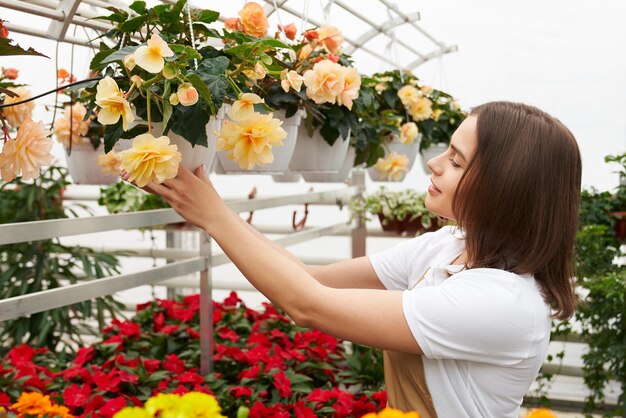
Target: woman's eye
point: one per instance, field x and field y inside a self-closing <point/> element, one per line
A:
<point x="454" y="164"/>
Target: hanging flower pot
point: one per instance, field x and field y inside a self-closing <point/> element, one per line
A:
<point x="338" y="177"/>
<point x="397" y="163"/>
<point x="431" y="152"/>
<point x="620" y="224"/>
<point x="313" y="154"/>
<point x="282" y="153"/>
<point x="85" y="167"/>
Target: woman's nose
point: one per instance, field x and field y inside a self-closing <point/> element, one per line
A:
<point x="434" y="165"/>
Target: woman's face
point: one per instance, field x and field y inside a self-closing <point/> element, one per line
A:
<point x="448" y="168"/>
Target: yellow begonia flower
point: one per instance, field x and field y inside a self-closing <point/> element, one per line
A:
<point x="325" y="82"/>
<point x="150" y="56"/>
<point x="391" y="413"/>
<point x="408" y="133"/>
<point x="165" y="403"/>
<point x="351" y="88"/>
<point x="113" y="104"/>
<point x="25" y="155"/>
<point x="392" y="167"/>
<point x="199" y="405"/>
<point x="291" y="79"/>
<point x="540" y="413"/>
<point x="244" y="107"/>
<point x="408" y="95"/>
<point x="133" y="412"/>
<point x="251" y="139"/>
<point x="150" y="159"/>
<point x="421" y="109"/>
<point x="437" y="113"/>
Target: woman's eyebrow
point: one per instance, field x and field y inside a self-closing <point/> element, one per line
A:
<point x="458" y="152"/>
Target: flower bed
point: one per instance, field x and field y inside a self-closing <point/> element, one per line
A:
<point x="263" y="362"/>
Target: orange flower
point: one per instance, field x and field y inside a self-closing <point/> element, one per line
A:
<point x="233" y="23"/>
<point x="393" y="167"/>
<point x="540" y="413"/>
<point x="27" y="153"/>
<point x="58" y="411"/>
<point x="4" y="32"/>
<point x="331" y="38"/>
<point x="325" y="82"/>
<point x="351" y="87"/>
<point x="72" y="119"/>
<point x="290" y="30"/>
<point x="10" y="73"/>
<point x="15" y="115"/>
<point x="311" y="35"/>
<point x="109" y="163"/>
<point x="253" y="20"/>
<point x="32" y="403"/>
<point x="62" y="73"/>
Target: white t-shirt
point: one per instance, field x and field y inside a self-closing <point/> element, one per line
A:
<point x="484" y="332"/>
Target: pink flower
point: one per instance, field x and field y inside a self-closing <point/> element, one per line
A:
<point x="27" y="153"/>
<point x="10" y="73"/>
<point x="233" y="23"/>
<point x="4" y="32"/>
<point x="290" y="30"/>
<point x="187" y="94"/>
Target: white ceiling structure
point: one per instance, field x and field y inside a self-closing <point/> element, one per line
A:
<point x="371" y="27"/>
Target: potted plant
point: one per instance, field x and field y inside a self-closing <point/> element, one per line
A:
<point x="161" y="86"/>
<point x="618" y="201"/>
<point x="401" y="211"/>
<point x="258" y="134"/>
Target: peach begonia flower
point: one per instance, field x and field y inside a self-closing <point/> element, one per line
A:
<point x="253" y="20"/>
<point x="10" y="73"/>
<point x="15" y="115"/>
<point x="426" y="89"/>
<point x="324" y="82"/>
<point x="291" y="79"/>
<point x="540" y="413"/>
<point x="150" y="56"/>
<point x="290" y="30"/>
<point x="187" y="94"/>
<point x="109" y="163"/>
<point x="250" y="140"/>
<point x="331" y="38"/>
<point x="391" y="413"/>
<point x="408" y="95"/>
<point x="26" y="154"/>
<point x="408" y="133"/>
<point x="420" y="110"/>
<point x="129" y="62"/>
<point x="72" y="120"/>
<point x="351" y="87"/>
<point x="305" y="52"/>
<point x="150" y="159"/>
<point x="393" y="166"/>
<point x="244" y="107"/>
<point x="258" y="73"/>
<point x="233" y="23"/>
<point x="111" y="99"/>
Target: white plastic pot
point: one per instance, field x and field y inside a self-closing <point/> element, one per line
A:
<point x="339" y="177"/>
<point x="409" y="150"/>
<point x="313" y="154"/>
<point x="82" y="164"/>
<point x="430" y="153"/>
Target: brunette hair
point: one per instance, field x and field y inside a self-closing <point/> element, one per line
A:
<point x="518" y="198"/>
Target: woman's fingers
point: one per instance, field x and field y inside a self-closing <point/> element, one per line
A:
<point x="161" y="189"/>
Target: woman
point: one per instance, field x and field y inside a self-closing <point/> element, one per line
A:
<point x="463" y="313"/>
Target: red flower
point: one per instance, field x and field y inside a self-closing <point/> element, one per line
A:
<point x="127" y="377"/>
<point x="302" y="411"/>
<point x="164" y="384"/>
<point x="239" y="391"/>
<point x="193" y="333"/>
<point x="142" y="306"/>
<point x="174" y="364"/>
<point x="380" y="398"/>
<point x="84" y="355"/>
<point x="232" y="300"/>
<point x="311" y="35"/>
<point x="4" y="32"/>
<point x="4" y="399"/>
<point x="21" y="354"/>
<point x="168" y="329"/>
<point x="217" y="316"/>
<point x="107" y="382"/>
<point x="283" y="384"/>
<point x="112" y="406"/>
<point x="193" y="302"/>
<point x="94" y="404"/>
<point x="159" y="321"/>
<point x="227" y="334"/>
<point x="190" y="377"/>
<point x="251" y="373"/>
<point x="116" y="339"/>
<point x="259" y="410"/>
<point x="151" y="365"/>
<point x="129" y="329"/>
<point x="182" y="314"/>
<point x="319" y="395"/>
<point x="73" y="395"/>
<point x="180" y="390"/>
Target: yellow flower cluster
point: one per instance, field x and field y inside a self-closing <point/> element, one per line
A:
<point x="391" y="413"/>
<point x="249" y="135"/>
<point x="419" y="107"/>
<point x="150" y="159"/>
<point x="189" y="405"/>
<point x="36" y="404"/>
<point x="393" y="167"/>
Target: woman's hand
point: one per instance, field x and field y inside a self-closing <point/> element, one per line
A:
<point x="191" y="195"/>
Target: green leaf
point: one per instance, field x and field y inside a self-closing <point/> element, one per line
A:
<point x="120" y="54"/>
<point x="139" y="7"/>
<point x="134" y="24"/>
<point x="133" y="132"/>
<point x="207" y="16"/>
<point x="8" y="48"/>
<point x="112" y="134"/>
<point x="212" y="71"/>
<point x="190" y="123"/>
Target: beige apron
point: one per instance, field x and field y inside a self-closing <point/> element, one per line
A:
<point x="406" y="383"/>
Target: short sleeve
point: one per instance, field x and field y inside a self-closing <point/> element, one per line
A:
<point x="395" y="265"/>
<point x="473" y="316"/>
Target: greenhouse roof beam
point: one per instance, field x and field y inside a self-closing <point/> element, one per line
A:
<point x="384" y="30"/>
<point x="400" y="13"/>
<point x="41" y="34"/>
<point x="432" y="55"/>
<point x="58" y="29"/>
